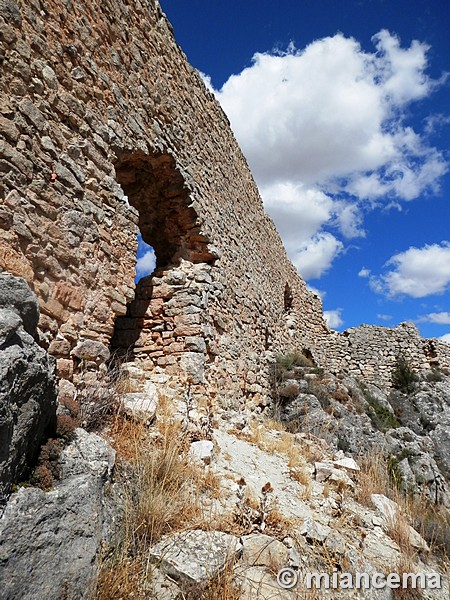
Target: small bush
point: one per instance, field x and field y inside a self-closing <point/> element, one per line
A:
<point x="47" y="471"/>
<point x="65" y="426"/>
<point x="293" y="359"/>
<point x="403" y="377"/>
<point x="434" y="376"/>
<point x="382" y="418"/>
<point x="433" y="524"/>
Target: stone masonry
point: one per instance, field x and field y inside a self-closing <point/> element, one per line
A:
<point x="106" y="130"/>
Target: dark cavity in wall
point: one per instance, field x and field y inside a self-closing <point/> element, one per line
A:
<point x="167" y="222"/>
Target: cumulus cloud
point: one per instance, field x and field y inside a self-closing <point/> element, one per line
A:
<point x="324" y="130"/>
<point x="445" y="338"/>
<point x="440" y="318"/>
<point x="314" y="257"/>
<point x="417" y="272"/>
<point x="333" y="318"/>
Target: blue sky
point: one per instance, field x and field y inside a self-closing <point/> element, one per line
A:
<point x="342" y="110"/>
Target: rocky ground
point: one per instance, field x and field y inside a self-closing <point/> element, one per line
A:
<point x="175" y="498"/>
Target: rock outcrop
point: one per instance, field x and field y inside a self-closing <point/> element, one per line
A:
<point x="27" y="383"/>
<point x="50" y="542"/>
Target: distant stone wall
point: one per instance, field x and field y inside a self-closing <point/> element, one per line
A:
<point x="106" y="130"/>
<point x="370" y="352"/>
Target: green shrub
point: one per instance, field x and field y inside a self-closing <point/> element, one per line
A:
<point x="403" y="377"/>
<point x="381" y="417"/>
<point x="434" y="375"/>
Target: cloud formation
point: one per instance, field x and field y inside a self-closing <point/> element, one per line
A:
<point x="324" y="130"/>
<point x="333" y="318"/>
<point x="146" y="262"/>
<point x="440" y="318"/>
<point x="445" y="338"/>
<point x="417" y="272"/>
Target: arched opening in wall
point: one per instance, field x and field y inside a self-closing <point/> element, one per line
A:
<point x="169" y="232"/>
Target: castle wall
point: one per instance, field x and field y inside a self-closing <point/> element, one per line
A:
<point x="98" y="102"/>
<point x="106" y="130"/>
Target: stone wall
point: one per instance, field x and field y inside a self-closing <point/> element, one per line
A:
<point x="105" y="130"/>
<point x="370" y="352"/>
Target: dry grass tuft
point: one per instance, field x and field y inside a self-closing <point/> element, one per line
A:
<point x="373" y="478"/>
<point x="163" y="493"/>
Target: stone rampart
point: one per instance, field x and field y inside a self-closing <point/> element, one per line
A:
<point x="106" y="130"/>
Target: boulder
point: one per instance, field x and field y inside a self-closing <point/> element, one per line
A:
<point x="202" y="451"/>
<point x="16" y="295"/>
<point x="91" y="350"/>
<point x="27" y="384"/>
<point x="50" y="541"/>
<point x="196" y="556"/>
<point x="263" y="550"/>
<point x="140" y="405"/>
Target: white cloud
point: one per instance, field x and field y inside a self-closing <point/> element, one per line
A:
<point x="146" y="259"/>
<point x="440" y="318"/>
<point x="364" y="272"/>
<point x="417" y="272"/>
<point x="324" y="130"/>
<point x="314" y="257"/>
<point x="333" y="318"/>
<point x="445" y="338"/>
<point x="145" y="265"/>
<point x="384" y="317"/>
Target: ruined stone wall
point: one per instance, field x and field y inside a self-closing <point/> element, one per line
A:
<point x="98" y="102"/>
<point x="370" y="352"/>
<point x="105" y="130"/>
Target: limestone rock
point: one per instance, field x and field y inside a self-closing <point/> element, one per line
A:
<point x="91" y="350"/>
<point x="314" y="531"/>
<point x="50" y="542"/>
<point x="263" y="550"/>
<point x="139" y="405"/>
<point x="161" y="587"/>
<point x="16" y="295"/>
<point x="87" y="453"/>
<point x="195" y="556"/>
<point x="258" y="583"/>
<point x="202" y="450"/>
<point x="9" y="324"/>
<point x="27" y="387"/>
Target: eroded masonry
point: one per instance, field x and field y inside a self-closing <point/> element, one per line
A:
<point x="107" y="131"/>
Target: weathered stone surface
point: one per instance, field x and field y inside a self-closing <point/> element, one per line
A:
<point x="195" y="556"/>
<point x="9" y="324"/>
<point x="202" y="450"/>
<point x="27" y="386"/>
<point x="50" y="541"/>
<point x="140" y="405"/>
<point x="263" y="550"/>
<point x="314" y="531"/>
<point x="258" y="583"/>
<point x="87" y="453"/>
<point x="91" y="350"/>
<point x="16" y="295"/>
